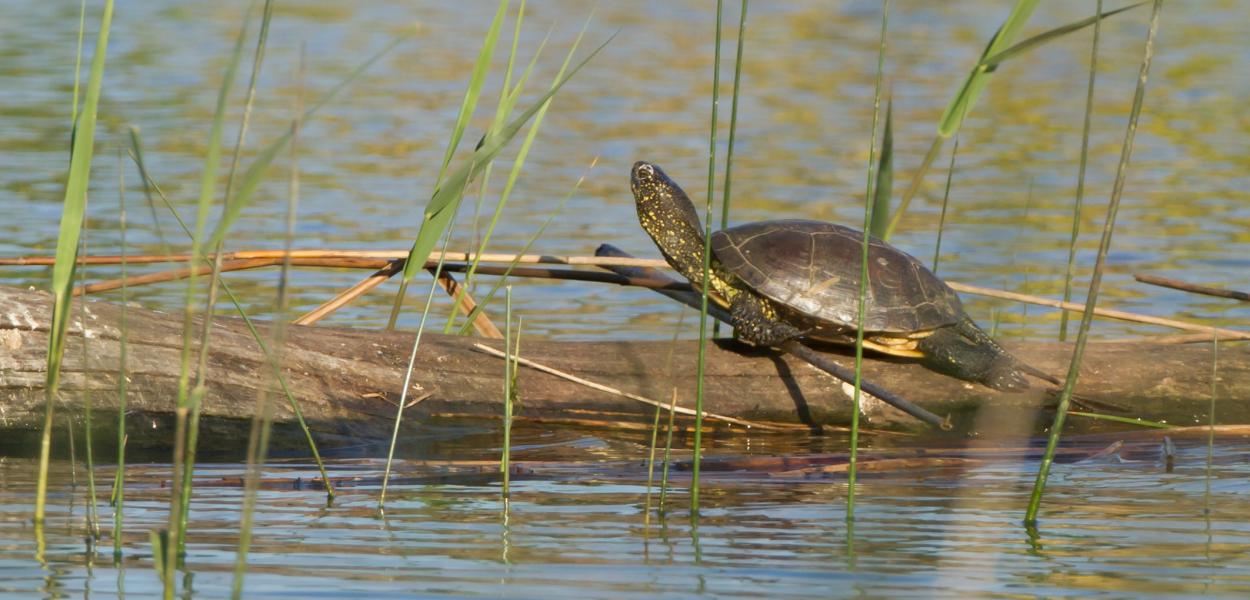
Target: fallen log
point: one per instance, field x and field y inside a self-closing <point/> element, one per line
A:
<point x="347" y="380"/>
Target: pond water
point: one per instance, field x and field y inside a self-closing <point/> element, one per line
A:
<point x="1114" y="525"/>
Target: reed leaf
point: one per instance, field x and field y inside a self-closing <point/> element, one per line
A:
<point x="446" y="199"/>
<point x="72" y="216"/>
<point x="468" y="106"/>
<point x="992" y="62"/>
<point x="515" y="173"/>
<point x="884" y="185"/>
<point x="976" y="81"/>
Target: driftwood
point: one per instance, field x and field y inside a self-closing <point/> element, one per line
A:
<point x="347" y="380"/>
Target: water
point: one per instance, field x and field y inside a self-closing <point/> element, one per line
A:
<point x="369" y="161"/>
<point x="1111" y="527"/>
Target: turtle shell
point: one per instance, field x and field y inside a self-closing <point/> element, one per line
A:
<point x="812" y="268"/>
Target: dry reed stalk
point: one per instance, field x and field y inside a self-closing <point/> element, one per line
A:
<point x="611" y="390"/>
<point x="346" y="296"/>
<point x="1177" y="284"/>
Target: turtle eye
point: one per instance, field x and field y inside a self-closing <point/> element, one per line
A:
<point x="643" y="169"/>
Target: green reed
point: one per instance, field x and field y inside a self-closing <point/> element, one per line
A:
<point x="210" y="302"/>
<point x="946" y="196"/>
<point x="262" y="418"/>
<point x="72" y="217"/>
<point x="1080" y="175"/>
<point x="485" y="300"/>
<point x="503" y="108"/>
<point x="512" y="353"/>
<point x="118" y="497"/>
<point x="93" y="515"/>
<point x="151" y="187"/>
<point x="707" y="266"/>
<point x="997" y="51"/>
<point x="440" y="210"/>
<point x="869" y="208"/>
<point x="513" y="175"/>
<point x="733" y="129"/>
<point x="1104" y="246"/>
<point x="183" y="442"/>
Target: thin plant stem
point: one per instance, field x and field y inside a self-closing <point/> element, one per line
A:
<point x="852" y="467"/>
<point x="262" y="421"/>
<point x="733" y="129"/>
<point x="412" y="359"/>
<point x="508" y="373"/>
<point x="707" y="267"/>
<point x="1104" y="246"/>
<point x="1080" y="176"/>
<point x="93" y="516"/>
<point x="119" y="478"/>
<point x="655" y="427"/>
<point x="72" y="216"/>
<point x="214" y="281"/>
<point x="946" y="195"/>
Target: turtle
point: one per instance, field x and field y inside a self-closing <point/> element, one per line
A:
<point x="798" y="279"/>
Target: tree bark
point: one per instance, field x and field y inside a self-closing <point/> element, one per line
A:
<point x="347" y="381"/>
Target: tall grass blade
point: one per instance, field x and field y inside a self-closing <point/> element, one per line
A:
<point x="1104" y="246"/>
<point x="119" y="480"/>
<point x="515" y="173"/>
<point x="82" y="31"/>
<point x="509" y="392"/>
<point x="445" y="202"/>
<point x="733" y="119"/>
<point x="262" y="419"/>
<point x="467" y="107"/>
<point x="946" y="197"/>
<point x="270" y="356"/>
<point x="967" y="96"/>
<point x="733" y="129"/>
<point x="188" y="398"/>
<point x="880" y="192"/>
<point x="1037" y="40"/>
<point x="501" y="280"/>
<point x="137" y="152"/>
<point x="93" y="516"/>
<point x="503" y="109"/>
<point x="871" y="205"/>
<point x="72" y="215"/>
<point x="1080" y="176"/>
<point x="707" y="267"/>
<point x="996" y="52"/>
<point x="210" y="302"/>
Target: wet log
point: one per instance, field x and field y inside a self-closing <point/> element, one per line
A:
<point x="348" y="380"/>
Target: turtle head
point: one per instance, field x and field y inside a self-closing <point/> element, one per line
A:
<point x="668" y="216"/>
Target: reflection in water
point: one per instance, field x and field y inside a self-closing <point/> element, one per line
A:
<point x="1111" y="523"/>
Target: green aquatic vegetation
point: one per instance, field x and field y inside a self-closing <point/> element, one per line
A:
<point x="872" y="202"/>
<point x="707" y="266"/>
<point x="1082" y="335"/>
<point x="118" y="497"/>
<point x="995" y="54"/>
<point x="72" y="216"/>
<point x="1080" y="175"/>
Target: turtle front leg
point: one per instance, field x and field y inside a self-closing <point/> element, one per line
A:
<point x="755" y="322"/>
